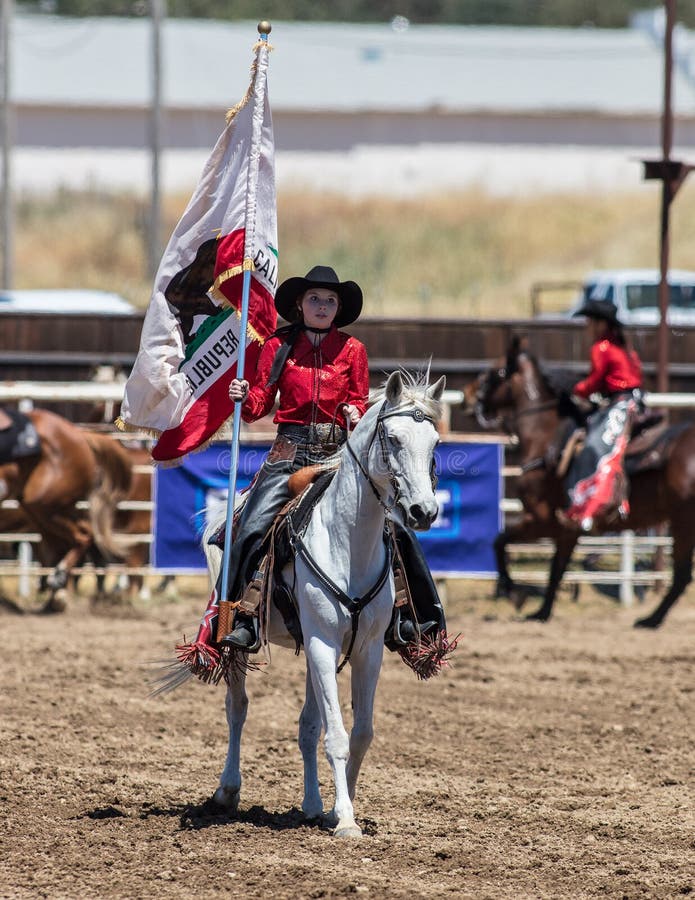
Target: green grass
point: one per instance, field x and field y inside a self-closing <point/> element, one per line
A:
<point x="464" y="254"/>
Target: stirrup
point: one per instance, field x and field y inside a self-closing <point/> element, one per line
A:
<point x="244" y="636"/>
<point x="406" y="631"/>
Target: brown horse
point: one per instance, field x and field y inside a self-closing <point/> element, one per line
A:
<point x="73" y="465"/>
<point x="130" y="523"/>
<point x="518" y="392"/>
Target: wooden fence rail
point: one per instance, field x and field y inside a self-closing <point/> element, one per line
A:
<point x="627" y="545"/>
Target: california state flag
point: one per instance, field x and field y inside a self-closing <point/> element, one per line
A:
<point x="191" y="331"/>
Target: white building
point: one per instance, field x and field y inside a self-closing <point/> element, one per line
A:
<point x="356" y="107"/>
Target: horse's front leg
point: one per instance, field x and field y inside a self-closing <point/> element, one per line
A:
<point x="564" y="547"/>
<point x="365" y="674"/>
<point x="309" y="733"/>
<point x="236" y="706"/>
<point x="323" y="659"/>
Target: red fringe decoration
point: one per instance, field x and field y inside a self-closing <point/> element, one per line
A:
<point x="210" y="665"/>
<point x="201" y="660"/>
<point x="430" y="655"/>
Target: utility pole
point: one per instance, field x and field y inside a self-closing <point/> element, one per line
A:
<point x="672" y="175"/>
<point x="154" y="250"/>
<point x="6" y="126"/>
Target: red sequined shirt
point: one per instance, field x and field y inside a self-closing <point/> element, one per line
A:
<point x="314" y="382"/>
<point x="613" y="369"/>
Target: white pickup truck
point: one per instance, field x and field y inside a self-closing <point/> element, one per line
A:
<point x="635" y="292"/>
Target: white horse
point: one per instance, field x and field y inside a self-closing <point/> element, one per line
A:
<point x="385" y="470"/>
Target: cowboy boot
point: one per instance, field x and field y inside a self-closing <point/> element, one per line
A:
<point x="245" y="635"/>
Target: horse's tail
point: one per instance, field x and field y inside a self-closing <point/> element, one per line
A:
<point x="115" y="479"/>
<point x="213" y="552"/>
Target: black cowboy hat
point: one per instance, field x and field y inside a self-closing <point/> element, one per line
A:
<point x="599" y="309"/>
<point x="291" y="290"/>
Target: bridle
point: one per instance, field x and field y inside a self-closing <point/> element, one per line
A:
<point x="380" y="432"/>
<point x="484" y="388"/>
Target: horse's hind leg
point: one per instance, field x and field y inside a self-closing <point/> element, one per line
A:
<point x="322" y="661"/>
<point x="525" y="530"/>
<point x="365" y="674"/>
<point x="236" y="705"/>
<point x="309" y="733"/>
<point x="681" y="532"/>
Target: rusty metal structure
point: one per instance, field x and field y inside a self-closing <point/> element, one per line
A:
<point x="672" y="173"/>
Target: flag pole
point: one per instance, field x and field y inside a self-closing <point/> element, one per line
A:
<point x="264" y="29"/>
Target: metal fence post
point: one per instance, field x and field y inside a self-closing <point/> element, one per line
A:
<point x="24" y="557"/>
<point x="627" y="568"/>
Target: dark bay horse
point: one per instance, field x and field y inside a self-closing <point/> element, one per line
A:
<point x="73" y="465"/>
<point x="518" y="392"/>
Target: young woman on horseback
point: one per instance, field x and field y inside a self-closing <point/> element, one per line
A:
<point x="596" y="483"/>
<point x="322" y="377"/>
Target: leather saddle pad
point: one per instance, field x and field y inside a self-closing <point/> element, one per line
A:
<point x="19" y="438"/>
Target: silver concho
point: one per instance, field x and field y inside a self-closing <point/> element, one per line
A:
<point x="418" y="415"/>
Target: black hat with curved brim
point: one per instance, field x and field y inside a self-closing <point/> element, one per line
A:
<point x="599" y="309"/>
<point x="292" y="289"/>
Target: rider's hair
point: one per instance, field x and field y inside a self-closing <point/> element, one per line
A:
<point x="618" y="336"/>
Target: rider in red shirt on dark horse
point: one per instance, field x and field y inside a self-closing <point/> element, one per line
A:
<point x="596" y="482"/>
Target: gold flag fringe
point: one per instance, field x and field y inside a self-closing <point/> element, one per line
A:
<point x="231" y="113"/>
<point x="124" y="426"/>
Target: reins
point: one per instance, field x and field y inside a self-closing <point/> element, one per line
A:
<point x="542" y="407"/>
<point x="355" y="605"/>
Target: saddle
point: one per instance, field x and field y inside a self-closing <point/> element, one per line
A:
<point x="648" y="449"/>
<point x="307" y="486"/>
<point x="651" y="449"/>
<point x="18" y="437"/>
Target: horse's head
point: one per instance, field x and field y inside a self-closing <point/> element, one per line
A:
<point x="400" y="462"/>
<point x="501" y="388"/>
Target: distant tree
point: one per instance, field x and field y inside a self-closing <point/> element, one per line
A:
<point x="535" y="13"/>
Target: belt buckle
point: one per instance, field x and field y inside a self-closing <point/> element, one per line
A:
<point x="323" y="431"/>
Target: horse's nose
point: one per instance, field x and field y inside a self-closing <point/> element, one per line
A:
<point x="420" y="518"/>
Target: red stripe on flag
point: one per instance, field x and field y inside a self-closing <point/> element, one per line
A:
<point x="205" y="417"/>
<point x="262" y="314"/>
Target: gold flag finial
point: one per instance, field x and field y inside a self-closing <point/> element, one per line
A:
<point x="264" y="27"/>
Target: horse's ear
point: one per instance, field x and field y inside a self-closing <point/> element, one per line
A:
<point x="437" y="389"/>
<point x="515" y="348"/>
<point x="394" y="388"/>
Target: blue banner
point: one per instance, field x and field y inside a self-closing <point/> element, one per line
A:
<point x="459" y="542"/>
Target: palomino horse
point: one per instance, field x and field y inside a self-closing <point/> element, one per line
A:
<point x="385" y="471"/>
<point x="517" y="391"/>
<point x="73" y="465"/>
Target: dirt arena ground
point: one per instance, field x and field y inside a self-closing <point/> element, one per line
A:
<point x="551" y="761"/>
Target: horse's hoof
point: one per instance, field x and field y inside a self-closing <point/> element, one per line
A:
<point x="348" y="831"/>
<point x="648" y="622"/>
<point x="227" y="798"/>
<point x="312" y="815"/>
<point x="539" y="616"/>
<point x="58" y="603"/>
<point x="329" y="819"/>
<point x="10" y="606"/>
<point x="517" y="598"/>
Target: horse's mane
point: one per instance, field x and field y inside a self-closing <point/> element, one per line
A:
<point x="559" y="382"/>
<point x="415" y="386"/>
